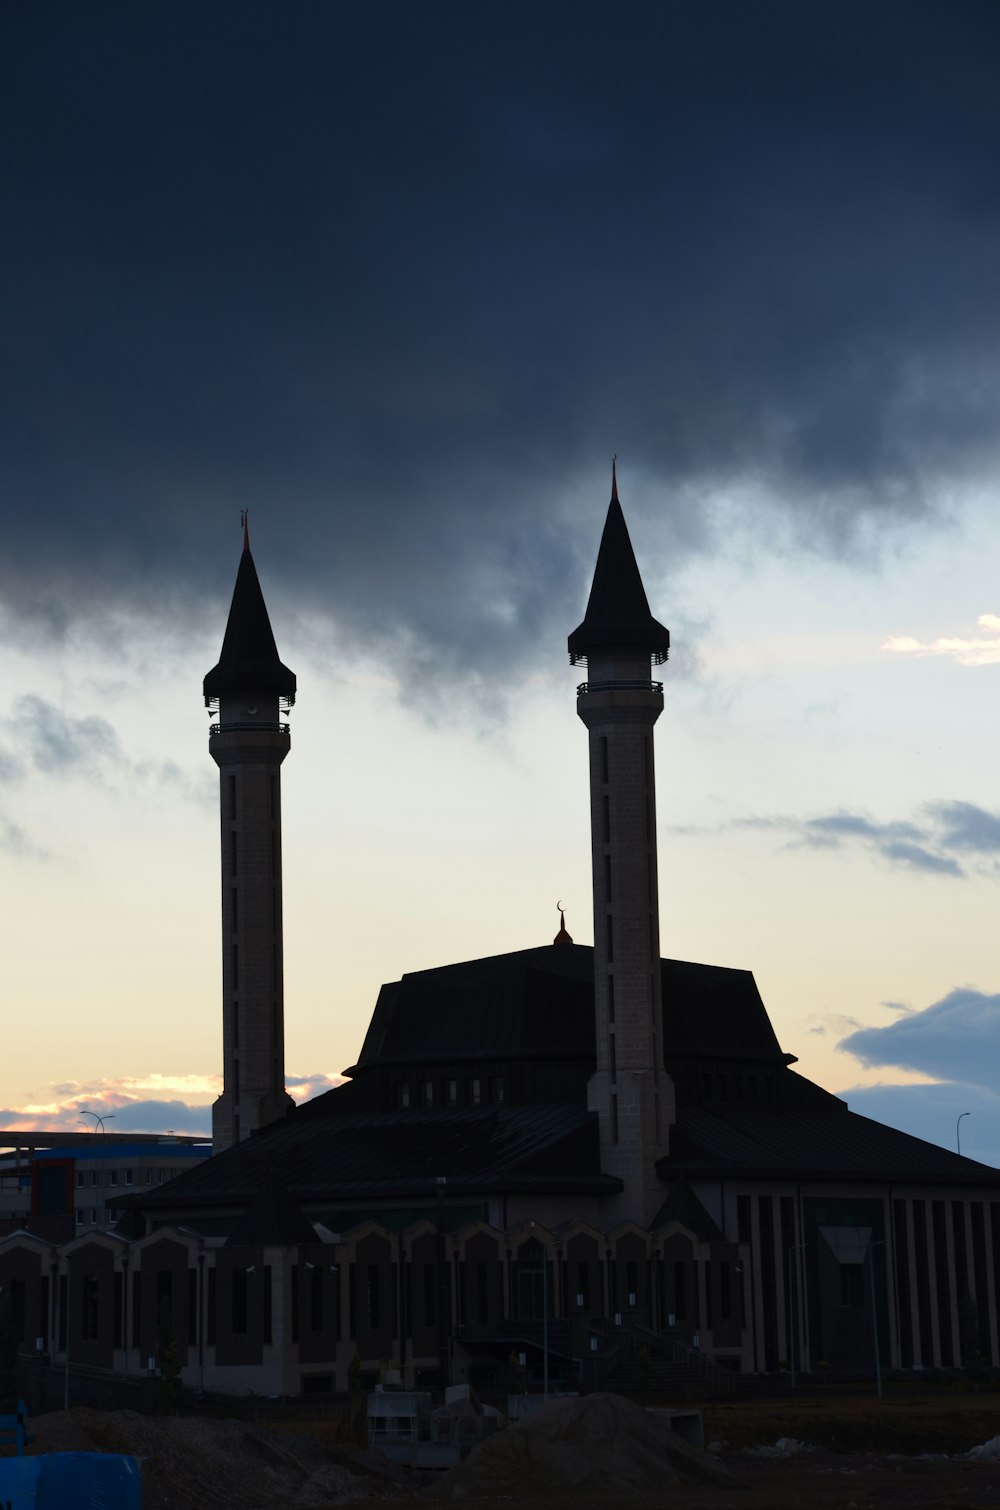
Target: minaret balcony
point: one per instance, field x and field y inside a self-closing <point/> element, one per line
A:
<point x="251" y="726"/>
<point x="586" y="689"/>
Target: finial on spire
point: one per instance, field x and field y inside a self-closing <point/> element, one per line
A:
<point x="245" y="521"/>
<point x="562" y="937"/>
<point x="614" y="479"/>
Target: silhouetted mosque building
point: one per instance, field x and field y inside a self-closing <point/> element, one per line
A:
<point x="594" y="1146"/>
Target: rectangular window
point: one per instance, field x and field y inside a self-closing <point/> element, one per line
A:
<point x="604" y="759"/>
<point x="232" y="799"/>
<point x="235" y="981"/>
<point x="374" y="1297"/>
<point x="483" y="1293"/>
<point x="583" y="1286"/>
<point x="402" y="1093"/>
<point x="497" y="1089"/>
<point x="614" y="1119"/>
<point x="852" y="1285"/>
<point x="236" y="1024"/>
<point x="680" y="1298"/>
<point x="725" y="1291"/>
<point x="611" y="938"/>
<point x="607" y="878"/>
<point x="612" y="1058"/>
<point x="430" y="1289"/>
<point x="316" y="1299"/>
<point x="475" y="1089"/>
<point x="451" y="1092"/>
<point x="112" y="1177"/>
<point x="91" y="1291"/>
<point x="427" y="1092"/>
<point x="192" y="1307"/>
<point x="129" y="1176"/>
<point x="119" y="1294"/>
<point x="239" y="1302"/>
<point x="232" y="853"/>
<point x="234" y="910"/>
<point x="606" y="810"/>
<point x="80" y="1179"/>
<point x="137" y="1333"/>
<point x="211" y="1308"/>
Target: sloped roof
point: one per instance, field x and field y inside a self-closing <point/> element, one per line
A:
<point x="618" y="615"/>
<point x="394" y="1154"/>
<point x="539" y="1003"/>
<point x="249" y="659"/>
<point x="272" y="1218"/>
<point x="682" y="1205"/>
<point x="533" y="1002"/>
<point x="807" y="1142"/>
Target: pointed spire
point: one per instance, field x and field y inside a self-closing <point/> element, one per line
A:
<point x="618" y="616"/>
<point x="245" y="517"/>
<point x="562" y="937"/>
<point x="249" y="660"/>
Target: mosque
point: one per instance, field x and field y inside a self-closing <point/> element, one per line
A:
<point x="590" y="1160"/>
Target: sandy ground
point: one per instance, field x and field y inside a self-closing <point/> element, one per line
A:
<point x="595" y="1456"/>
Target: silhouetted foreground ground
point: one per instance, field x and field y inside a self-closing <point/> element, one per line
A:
<point x="854" y="1454"/>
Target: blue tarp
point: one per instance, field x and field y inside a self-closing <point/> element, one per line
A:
<point x="71" y="1481"/>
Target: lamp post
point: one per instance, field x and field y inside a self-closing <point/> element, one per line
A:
<point x="101" y="1118"/>
<point x="958" y="1129"/>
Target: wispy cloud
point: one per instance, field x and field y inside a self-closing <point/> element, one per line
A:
<point x="982" y="649"/>
<point x="945" y="838"/>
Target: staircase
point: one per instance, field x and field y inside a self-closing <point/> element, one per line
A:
<point x="629" y="1359"/>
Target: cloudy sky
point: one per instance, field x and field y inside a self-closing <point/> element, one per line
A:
<point x="400" y="279"/>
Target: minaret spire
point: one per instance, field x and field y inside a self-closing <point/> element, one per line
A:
<point x="245" y="517"/>
<point x="630" y="1089"/>
<point x="250" y="689"/>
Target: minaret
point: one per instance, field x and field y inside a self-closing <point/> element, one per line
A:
<point x="630" y="1090"/>
<point x="250" y="688"/>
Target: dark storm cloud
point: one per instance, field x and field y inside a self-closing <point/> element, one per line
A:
<point x="957" y="1038"/>
<point x="401" y="277"/>
<point x="946" y="838"/>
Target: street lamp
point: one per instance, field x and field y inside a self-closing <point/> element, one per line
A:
<point x="107" y="1117"/>
<point x="958" y="1129"/>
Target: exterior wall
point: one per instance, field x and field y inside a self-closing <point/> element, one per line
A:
<point x="425" y="1306"/>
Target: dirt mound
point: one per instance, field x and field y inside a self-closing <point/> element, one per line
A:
<point x="193" y="1462"/>
<point x="580" y="1444"/>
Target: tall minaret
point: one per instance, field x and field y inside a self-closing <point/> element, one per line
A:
<point x="630" y="1090"/>
<point x="250" y="688"/>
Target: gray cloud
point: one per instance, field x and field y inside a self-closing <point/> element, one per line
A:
<point x="404" y="299"/>
<point x="955" y="1039"/>
<point x="943" y="840"/>
<point x="59" y="744"/>
<point x="55" y="743"/>
<point x="14" y="841"/>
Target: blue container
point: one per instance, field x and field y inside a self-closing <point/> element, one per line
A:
<point x="71" y="1481"/>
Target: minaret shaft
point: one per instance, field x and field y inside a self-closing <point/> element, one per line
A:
<point x="252" y="964"/>
<point x="630" y="1090"/>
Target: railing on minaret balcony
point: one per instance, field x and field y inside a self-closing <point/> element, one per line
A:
<point x="253" y="728"/>
<point x="584" y="688"/>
